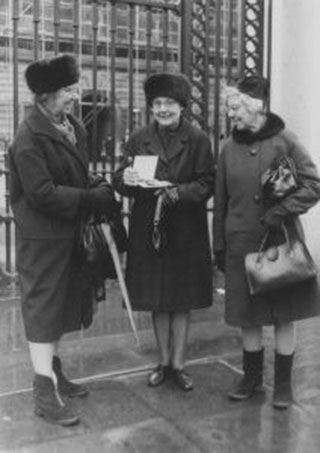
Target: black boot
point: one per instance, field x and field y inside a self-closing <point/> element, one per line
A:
<point x="66" y="387"/>
<point x="48" y="403"/>
<point x="251" y="382"/>
<point x="282" y="397"/>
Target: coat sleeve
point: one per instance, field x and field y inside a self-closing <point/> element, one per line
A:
<point x="37" y="184"/>
<point x="126" y="161"/>
<point x="201" y="187"/>
<point x="220" y="205"/>
<point x="308" y="192"/>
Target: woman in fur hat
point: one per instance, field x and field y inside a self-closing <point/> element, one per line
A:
<point x="49" y="190"/>
<point x="169" y="270"/>
<point x="243" y="214"/>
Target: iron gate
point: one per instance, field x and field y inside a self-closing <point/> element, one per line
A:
<point x="118" y="43"/>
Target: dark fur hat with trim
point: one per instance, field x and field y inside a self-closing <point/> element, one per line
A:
<point x="254" y="86"/>
<point x="174" y="86"/>
<point x="47" y="76"/>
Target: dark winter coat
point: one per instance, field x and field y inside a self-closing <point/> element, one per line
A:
<point x="239" y="227"/>
<point x="47" y="174"/>
<point x="181" y="278"/>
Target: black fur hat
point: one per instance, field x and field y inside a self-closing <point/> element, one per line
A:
<point x="47" y="76"/>
<point x="254" y="86"/>
<point x="174" y="86"/>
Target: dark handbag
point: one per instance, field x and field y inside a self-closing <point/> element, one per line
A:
<point x="95" y="247"/>
<point x="280" y="180"/>
<point x="159" y="236"/>
<point x="279" y="266"/>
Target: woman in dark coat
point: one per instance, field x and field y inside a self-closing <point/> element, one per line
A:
<point x="242" y="215"/>
<point x="170" y="282"/>
<point x="49" y="190"/>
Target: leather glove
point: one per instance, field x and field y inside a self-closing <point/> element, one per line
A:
<point x="220" y="260"/>
<point x="272" y="220"/>
<point x="96" y="181"/>
<point x="170" y="196"/>
<point x="99" y="199"/>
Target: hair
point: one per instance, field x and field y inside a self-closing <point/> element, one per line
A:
<point x="253" y="105"/>
<point x="40" y="98"/>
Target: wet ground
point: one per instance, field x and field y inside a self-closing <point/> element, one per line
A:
<point x="123" y="415"/>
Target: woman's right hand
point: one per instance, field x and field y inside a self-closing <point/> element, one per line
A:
<point x="130" y="177"/>
<point x="99" y="199"/>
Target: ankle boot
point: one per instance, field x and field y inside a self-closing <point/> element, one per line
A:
<point x="66" y="387"/>
<point x="282" y="397"/>
<point x="48" y="403"/>
<point x="251" y="381"/>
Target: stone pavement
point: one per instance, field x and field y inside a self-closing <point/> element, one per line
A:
<point x="123" y="415"/>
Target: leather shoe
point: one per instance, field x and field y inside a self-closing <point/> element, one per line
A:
<point x="158" y="375"/>
<point x="182" y="379"/>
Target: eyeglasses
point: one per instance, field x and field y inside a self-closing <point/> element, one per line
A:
<point x="73" y="90"/>
<point x="158" y="103"/>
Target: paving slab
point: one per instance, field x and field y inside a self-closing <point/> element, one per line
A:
<point x="124" y="415"/>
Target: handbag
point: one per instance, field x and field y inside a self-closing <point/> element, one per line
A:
<point x="280" y="180"/>
<point x="279" y="266"/>
<point x="95" y="247"/>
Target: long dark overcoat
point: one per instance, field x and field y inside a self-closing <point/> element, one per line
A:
<point x="239" y="209"/>
<point x="46" y="173"/>
<point x="181" y="278"/>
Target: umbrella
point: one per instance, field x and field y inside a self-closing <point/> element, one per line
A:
<point x="117" y="264"/>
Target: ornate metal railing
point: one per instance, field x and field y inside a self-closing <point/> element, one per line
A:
<point x="118" y="44"/>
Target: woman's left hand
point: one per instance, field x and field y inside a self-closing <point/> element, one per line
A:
<point x="272" y="220"/>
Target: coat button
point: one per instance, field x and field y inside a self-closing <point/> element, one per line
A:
<point x="253" y="152"/>
<point x="257" y="198"/>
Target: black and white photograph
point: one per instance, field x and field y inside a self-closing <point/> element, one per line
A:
<point x="159" y="218"/>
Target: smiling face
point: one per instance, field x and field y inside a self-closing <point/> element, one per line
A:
<point x="245" y="112"/>
<point x="61" y="102"/>
<point x="166" y="111"/>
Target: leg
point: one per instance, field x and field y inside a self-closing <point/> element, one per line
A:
<point x="161" y="327"/>
<point x="41" y="355"/>
<point x="252" y="338"/>
<point x="251" y="381"/>
<point x="285" y="341"/>
<point x="285" y="338"/>
<point x="179" y="331"/>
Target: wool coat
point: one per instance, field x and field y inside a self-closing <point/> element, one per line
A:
<point x="47" y="173"/>
<point x="241" y="213"/>
<point x="180" y="278"/>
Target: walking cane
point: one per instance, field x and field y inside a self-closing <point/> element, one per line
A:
<point x="116" y="260"/>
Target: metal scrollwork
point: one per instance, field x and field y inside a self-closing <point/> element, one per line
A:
<point x="252" y="27"/>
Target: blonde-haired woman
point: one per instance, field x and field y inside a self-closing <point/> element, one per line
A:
<point x="258" y="139"/>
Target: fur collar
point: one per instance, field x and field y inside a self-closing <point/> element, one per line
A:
<point x="273" y="126"/>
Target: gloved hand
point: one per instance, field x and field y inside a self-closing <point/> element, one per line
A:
<point x="96" y="181"/>
<point x="99" y="199"/>
<point x="170" y="196"/>
<point x="272" y="220"/>
<point x="220" y="259"/>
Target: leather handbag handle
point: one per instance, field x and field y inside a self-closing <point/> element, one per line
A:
<point x="265" y="238"/>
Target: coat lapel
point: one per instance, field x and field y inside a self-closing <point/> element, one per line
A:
<point x="176" y="145"/>
<point x="41" y="125"/>
<point x="153" y="142"/>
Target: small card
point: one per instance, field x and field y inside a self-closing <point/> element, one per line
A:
<point x="154" y="184"/>
<point x="145" y="166"/>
